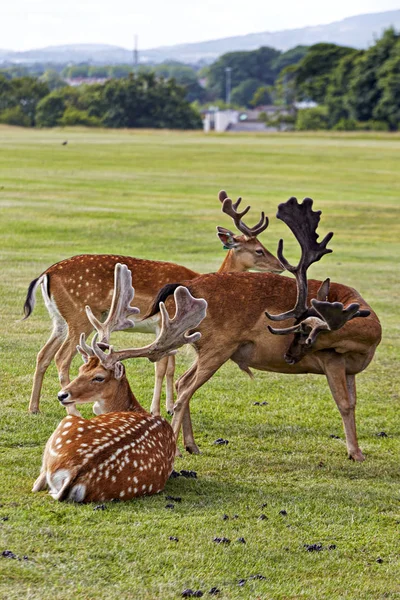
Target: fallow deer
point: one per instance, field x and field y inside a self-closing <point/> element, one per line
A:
<point x="327" y="338"/>
<point x="124" y="451"/>
<point x="69" y="285"/>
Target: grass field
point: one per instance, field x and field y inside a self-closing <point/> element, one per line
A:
<point x="154" y="195"/>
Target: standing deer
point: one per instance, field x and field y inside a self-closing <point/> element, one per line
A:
<point x="326" y="338"/>
<point x="124" y="451"/>
<point x="69" y="285"/>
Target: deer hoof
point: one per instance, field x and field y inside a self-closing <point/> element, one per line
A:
<point x="170" y="411"/>
<point x="178" y="453"/>
<point x="34" y="411"/>
<point x="357" y="455"/>
<point x="192" y="449"/>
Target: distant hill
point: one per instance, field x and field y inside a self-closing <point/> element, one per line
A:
<point x="359" y="32"/>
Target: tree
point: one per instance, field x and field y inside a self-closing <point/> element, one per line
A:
<point x="98" y="71"/>
<point x="74" y="116"/>
<point x="313" y="72"/>
<point x="312" y="119"/>
<point x="364" y="93"/>
<point x="76" y="71"/>
<point x="257" y="64"/>
<point x="243" y="93"/>
<point x="22" y="92"/>
<point x="14" y="116"/>
<point x="261" y="96"/>
<point x="50" y="110"/>
<point x="388" y="106"/>
<point x="290" y="57"/>
<point x="52" y="79"/>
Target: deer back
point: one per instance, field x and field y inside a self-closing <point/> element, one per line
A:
<point x="236" y="315"/>
<point x="89" y="279"/>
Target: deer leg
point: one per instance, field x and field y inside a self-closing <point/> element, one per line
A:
<point x="187" y="385"/>
<point x="160" y="368"/>
<point x="187" y="433"/>
<point x="343" y="390"/>
<point x="170" y="373"/>
<point x="351" y="386"/>
<point x="64" y="358"/>
<point x="43" y="360"/>
<point x="40" y="483"/>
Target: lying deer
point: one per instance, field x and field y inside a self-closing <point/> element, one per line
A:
<point x="124" y="451"/>
<point x="326" y="338"/>
<point x="69" y="285"/>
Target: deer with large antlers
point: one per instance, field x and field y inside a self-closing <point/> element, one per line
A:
<point x="124" y="451"/>
<point x="326" y="337"/>
<point x="69" y="285"/>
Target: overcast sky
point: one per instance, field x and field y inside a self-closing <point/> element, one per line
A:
<point x="27" y="24"/>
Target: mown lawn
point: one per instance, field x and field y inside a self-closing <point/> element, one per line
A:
<point x="154" y="195"/>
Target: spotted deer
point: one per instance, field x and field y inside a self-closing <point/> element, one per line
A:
<point x="69" y="285"/>
<point x="325" y="338"/>
<point x="124" y="451"/>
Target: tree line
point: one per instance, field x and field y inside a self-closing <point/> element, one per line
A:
<point x="141" y="100"/>
<point x="352" y="89"/>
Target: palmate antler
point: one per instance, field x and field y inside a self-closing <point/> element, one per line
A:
<point x="322" y="315"/>
<point x="230" y="209"/>
<point x="121" y="309"/>
<point x="189" y="314"/>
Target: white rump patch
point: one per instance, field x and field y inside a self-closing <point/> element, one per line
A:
<point x="57" y="480"/>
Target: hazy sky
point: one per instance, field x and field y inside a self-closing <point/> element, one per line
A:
<point x="26" y="24"/>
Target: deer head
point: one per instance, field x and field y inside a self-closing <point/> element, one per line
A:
<point x="249" y="252"/>
<point x="102" y="377"/>
<point x="321" y="316"/>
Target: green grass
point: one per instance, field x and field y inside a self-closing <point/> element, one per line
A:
<point x="154" y="195"/>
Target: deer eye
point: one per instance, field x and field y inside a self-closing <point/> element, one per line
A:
<point x="98" y="378"/>
<point x="259" y="252"/>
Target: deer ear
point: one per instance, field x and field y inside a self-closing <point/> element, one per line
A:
<point x="227" y="238"/>
<point x="119" y="370"/>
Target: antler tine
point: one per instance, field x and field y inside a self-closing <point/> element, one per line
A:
<point x="120" y="310"/>
<point x="303" y="222"/>
<point x="189" y="313"/>
<point x="230" y="209"/>
<point x="83" y="347"/>
<point x="335" y="315"/>
<point x="330" y="316"/>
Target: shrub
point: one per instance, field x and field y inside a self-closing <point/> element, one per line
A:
<point x="74" y="116"/>
<point x="346" y="125"/>
<point x="373" y="125"/>
<point x="312" y="119"/>
<point x="15" y="116"/>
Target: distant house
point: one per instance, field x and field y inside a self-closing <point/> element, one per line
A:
<point x="77" y="81"/>
<point x="236" y="121"/>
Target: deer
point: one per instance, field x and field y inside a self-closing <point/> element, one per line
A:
<point x="332" y="330"/>
<point x="69" y="285"/>
<point x="124" y="451"/>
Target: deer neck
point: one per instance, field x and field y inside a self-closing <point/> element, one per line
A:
<point x="123" y="400"/>
<point x="231" y="264"/>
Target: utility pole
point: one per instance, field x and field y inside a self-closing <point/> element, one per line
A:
<point x="135" y="53"/>
<point x="228" y="71"/>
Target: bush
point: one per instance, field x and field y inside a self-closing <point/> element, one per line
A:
<point x="74" y="116"/>
<point x="50" y="109"/>
<point x="346" y="125"/>
<point x="373" y="125"/>
<point x="15" y="116"/>
<point x="312" y="119"/>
